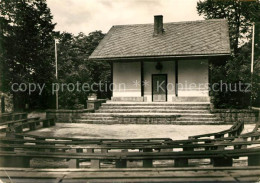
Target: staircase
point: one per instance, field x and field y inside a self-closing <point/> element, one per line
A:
<point x="150" y="113"/>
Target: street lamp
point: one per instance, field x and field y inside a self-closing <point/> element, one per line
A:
<point x="253" y="48"/>
<point x="252" y="63"/>
<point x="56" y="41"/>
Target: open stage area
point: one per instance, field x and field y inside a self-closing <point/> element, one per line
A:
<point x="117" y="131"/>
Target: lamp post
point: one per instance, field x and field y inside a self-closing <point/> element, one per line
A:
<point x="252" y="63"/>
<point x="253" y="47"/>
<point x="56" y="72"/>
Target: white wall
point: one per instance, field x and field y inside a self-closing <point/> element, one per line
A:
<point x="193" y="78"/>
<point x="124" y="76"/>
<point x="168" y="68"/>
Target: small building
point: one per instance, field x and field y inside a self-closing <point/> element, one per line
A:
<point x="163" y="61"/>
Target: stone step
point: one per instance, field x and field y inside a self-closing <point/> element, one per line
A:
<point x="111" y="122"/>
<point x="199" y="115"/>
<point x="149" y="111"/>
<point x="155" y="104"/>
<point x="91" y="121"/>
<point x="198" y="122"/>
<point x="178" y="119"/>
<point x="197" y="119"/>
<point x="97" y="117"/>
<point x="156" y="107"/>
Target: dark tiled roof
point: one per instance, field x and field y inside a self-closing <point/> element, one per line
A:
<point x="207" y="37"/>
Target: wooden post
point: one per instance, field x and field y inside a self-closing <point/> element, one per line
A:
<point x="148" y="163"/>
<point x="90" y="150"/>
<point x="17" y="117"/>
<point x="104" y="150"/>
<point x="73" y="163"/>
<point x="188" y="149"/>
<point x="181" y="162"/>
<point x="218" y="162"/>
<point x="52" y="122"/>
<point x="219" y="136"/>
<point x="15" y="161"/>
<point x="79" y="150"/>
<point x="121" y="163"/>
<point x="220" y="147"/>
<point x="32" y="126"/>
<point x="18" y="129"/>
<point x="45" y="123"/>
<point x="165" y="150"/>
<point x="95" y="163"/>
<point x="24" y="116"/>
<point x="254" y="160"/>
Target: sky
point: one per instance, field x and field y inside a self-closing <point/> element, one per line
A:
<point x="85" y="16"/>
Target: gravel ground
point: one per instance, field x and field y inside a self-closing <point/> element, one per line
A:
<point x="130" y="131"/>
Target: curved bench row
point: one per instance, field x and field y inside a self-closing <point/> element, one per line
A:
<point x="234" y="130"/>
<point x="98" y="150"/>
<point x="30" y="123"/>
<point x="181" y="159"/>
<point x="12" y="116"/>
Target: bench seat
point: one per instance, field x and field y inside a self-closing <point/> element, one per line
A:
<point x="191" y="174"/>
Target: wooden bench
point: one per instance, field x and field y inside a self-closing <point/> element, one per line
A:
<point x="219" y="155"/>
<point x="181" y="159"/>
<point x="32" y="123"/>
<point x="97" y="139"/>
<point x="132" y="143"/>
<point x="145" y="141"/>
<point x="74" y="142"/>
<point x="9" y="124"/>
<point x="145" y="145"/>
<point x="190" y="174"/>
<point x="235" y="130"/>
<point x="106" y="145"/>
<point x="12" y="116"/>
<point x="25" y="145"/>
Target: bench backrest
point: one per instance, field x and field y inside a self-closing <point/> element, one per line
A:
<point x="234" y="130"/>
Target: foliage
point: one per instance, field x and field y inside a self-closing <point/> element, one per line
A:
<point x="74" y="67"/>
<point x="27" y="56"/>
<point x="27" y="34"/>
<point x="240" y="16"/>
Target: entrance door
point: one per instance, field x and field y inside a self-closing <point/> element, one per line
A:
<point x="159" y="89"/>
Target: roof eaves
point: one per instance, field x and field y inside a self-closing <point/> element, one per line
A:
<point x="156" y="57"/>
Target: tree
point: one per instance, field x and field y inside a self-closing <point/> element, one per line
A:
<point x="74" y="67"/>
<point x="240" y="15"/>
<point x="100" y="70"/>
<point x="28" y="45"/>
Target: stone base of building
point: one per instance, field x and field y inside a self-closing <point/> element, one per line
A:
<point x="128" y="99"/>
<point x="190" y="99"/>
<point x="174" y="99"/>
